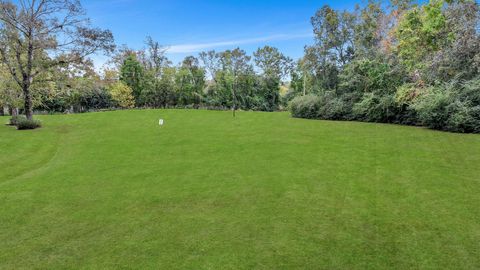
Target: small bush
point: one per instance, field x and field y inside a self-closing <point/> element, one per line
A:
<point x="24" y="124"/>
<point x="15" y="119"/>
<point x="305" y="107"/>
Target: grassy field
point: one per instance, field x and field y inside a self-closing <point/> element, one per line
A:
<point x="262" y="191"/>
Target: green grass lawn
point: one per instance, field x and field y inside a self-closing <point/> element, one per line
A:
<point x="262" y="191"/>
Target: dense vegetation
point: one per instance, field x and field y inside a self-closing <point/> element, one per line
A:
<point x="408" y="64"/>
<point x="114" y="190"/>
<point x="395" y="62"/>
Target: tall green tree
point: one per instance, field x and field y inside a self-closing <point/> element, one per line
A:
<point x="234" y="63"/>
<point x="368" y="29"/>
<point x="420" y="33"/>
<point x="274" y="66"/>
<point x="459" y="58"/>
<point x="133" y="75"/>
<point x="334" y="34"/>
<point x="190" y="81"/>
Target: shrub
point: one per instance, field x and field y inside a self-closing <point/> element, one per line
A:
<point x="471" y="91"/>
<point x="325" y="105"/>
<point x="123" y="95"/>
<point x="376" y="108"/>
<point x="407" y="93"/>
<point x="432" y="108"/>
<point x="332" y="107"/>
<point x="305" y="107"/>
<point x="24" y="124"/>
<point x="451" y="107"/>
<point x="15" y="119"/>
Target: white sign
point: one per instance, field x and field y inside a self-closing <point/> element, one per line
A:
<point x="161" y="122"/>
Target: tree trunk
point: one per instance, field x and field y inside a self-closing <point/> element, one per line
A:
<point x="304" y="84"/>
<point x="28" y="102"/>
<point x="234" y="99"/>
<point x="13" y="111"/>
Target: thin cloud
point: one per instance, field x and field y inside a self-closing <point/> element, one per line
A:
<point x="197" y="47"/>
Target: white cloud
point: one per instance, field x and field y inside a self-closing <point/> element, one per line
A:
<point x="197" y="47"/>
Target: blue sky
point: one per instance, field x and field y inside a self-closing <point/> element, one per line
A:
<point x="189" y="26"/>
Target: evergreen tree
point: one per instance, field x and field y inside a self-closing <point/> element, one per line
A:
<point x="133" y="75"/>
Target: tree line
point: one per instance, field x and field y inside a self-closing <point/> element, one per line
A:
<point x="393" y="62"/>
<point x="45" y="47"/>
<point x="230" y="79"/>
<point x="406" y="63"/>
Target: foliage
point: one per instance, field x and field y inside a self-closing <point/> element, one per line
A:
<point x="460" y="58"/>
<point x="371" y="76"/>
<point x="16" y="119"/>
<point x="451" y="107"/>
<point x="305" y="107"/>
<point x="421" y="32"/>
<point x="77" y="94"/>
<point x="334" y="35"/>
<point x="132" y="74"/>
<point x="10" y="93"/>
<point x="269" y="94"/>
<point x="272" y="63"/>
<point x="367" y="30"/>
<point x="37" y="36"/>
<point x="376" y="108"/>
<point x="190" y="81"/>
<point x="333" y="107"/>
<point x="122" y="94"/>
<point x="410" y="64"/>
<point x="26" y="124"/>
<point x="160" y="93"/>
